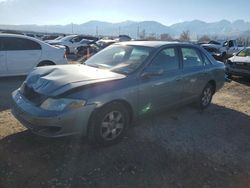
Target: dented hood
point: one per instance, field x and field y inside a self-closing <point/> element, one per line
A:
<point x="56" y="80"/>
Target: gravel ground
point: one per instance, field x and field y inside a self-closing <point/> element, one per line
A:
<point x="179" y="148"/>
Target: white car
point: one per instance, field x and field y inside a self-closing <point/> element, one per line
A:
<point x="71" y="42"/>
<point x="19" y="54"/>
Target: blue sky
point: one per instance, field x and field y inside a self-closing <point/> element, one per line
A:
<point x="47" y="12"/>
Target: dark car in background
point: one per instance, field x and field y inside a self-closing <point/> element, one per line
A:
<point x="120" y="83"/>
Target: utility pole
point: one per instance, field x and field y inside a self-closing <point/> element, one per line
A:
<point x="97" y="31"/>
<point x="72" y="28"/>
<point x="138" y="32"/>
<point x="119" y="30"/>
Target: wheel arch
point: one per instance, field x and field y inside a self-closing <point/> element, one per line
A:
<point x="125" y="103"/>
<point x="213" y="83"/>
<point x="45" y="62"/>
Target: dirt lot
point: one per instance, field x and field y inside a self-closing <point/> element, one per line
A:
<point x="180" y="148"/>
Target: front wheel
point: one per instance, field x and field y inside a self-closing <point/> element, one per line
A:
<point x="108" y="125"/>
<point x="206" y="96"/>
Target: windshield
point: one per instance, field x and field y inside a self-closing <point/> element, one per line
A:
<point x="68" y="37"/>
<point x="214" y="42"/>
<point x="244" y="53"/>
<point x="59" y="38"/>
<point x="120" y="58"/>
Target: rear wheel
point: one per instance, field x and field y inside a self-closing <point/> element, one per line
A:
<point x="206" y="96"/>
<point x="108" y="124"/>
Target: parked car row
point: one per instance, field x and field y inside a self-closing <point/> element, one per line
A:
<point x="235" y="57"/>
<point x="222" y="49"/>
<point x="72" y="42"/>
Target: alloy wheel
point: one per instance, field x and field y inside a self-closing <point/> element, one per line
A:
<point x="112" y="125"/>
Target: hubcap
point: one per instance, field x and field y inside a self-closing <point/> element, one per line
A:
<point x="207" y="95"/>
<point x="112" y="125"/>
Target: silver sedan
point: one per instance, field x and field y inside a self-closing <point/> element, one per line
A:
<point x="124" y="81"/>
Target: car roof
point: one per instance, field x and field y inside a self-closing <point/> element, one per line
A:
<point x="17" y="35"/>
<point x="24" y="37"/>
<point x="12" y="35"/>
<point x="154" y="44"/>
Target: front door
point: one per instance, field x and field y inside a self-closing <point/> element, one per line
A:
<point x="161" y="82"/>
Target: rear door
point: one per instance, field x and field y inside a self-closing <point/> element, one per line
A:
<point x="3" y="67"/>
<point x="22" y="54"/>
<point x="194" y="74"/>
<point x="162" y="89"/>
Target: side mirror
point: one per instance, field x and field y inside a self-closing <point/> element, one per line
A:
<point x="151" y="73"/>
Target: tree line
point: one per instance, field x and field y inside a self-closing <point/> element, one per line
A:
<point x="185" y="36"/>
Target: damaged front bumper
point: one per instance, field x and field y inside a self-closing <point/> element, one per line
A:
<point x="49" y="123"/>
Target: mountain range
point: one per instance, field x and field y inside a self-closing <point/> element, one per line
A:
<point x="132" y="28"/>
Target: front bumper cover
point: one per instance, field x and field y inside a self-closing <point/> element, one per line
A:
<point x="47" y="123"/>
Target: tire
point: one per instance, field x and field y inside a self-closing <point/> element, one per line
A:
<point x="206" y="96"/>
<point x="45" y="63"/>
<point x="108" y="125"/>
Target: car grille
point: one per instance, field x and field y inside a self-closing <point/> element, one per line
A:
<point x="32" y="95"/>
<point x="242" y="65"/>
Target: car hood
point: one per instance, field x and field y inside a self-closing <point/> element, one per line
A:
<point x="240" y="59"/>
<point x="56" y="80"/>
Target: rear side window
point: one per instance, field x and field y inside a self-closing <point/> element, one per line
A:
<point x="16" y="44"/>
<point x="167" y="59"/>
<point x="191" y="58"/>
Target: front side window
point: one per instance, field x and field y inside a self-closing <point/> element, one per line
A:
<point x="167" y="59"/>
<point x="231" y="44"/>
<point x="191" y="57"/>
<point x="77" y="39"/>
<point x="120" y="58"/>
<point x="16" y="44"/>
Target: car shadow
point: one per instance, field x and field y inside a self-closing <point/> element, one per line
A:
<point x="7" y="86"/>
<point x="181" y="148"/>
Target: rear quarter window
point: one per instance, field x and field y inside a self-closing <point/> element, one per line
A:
<point x="16" y="44"/>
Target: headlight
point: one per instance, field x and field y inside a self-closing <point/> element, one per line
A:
<point x="62" y="104"/>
